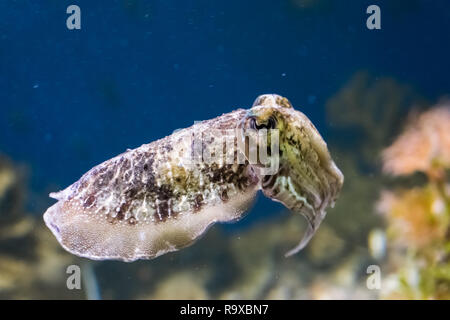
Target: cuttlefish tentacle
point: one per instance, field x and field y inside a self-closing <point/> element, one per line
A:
<point x="163" y="196"/>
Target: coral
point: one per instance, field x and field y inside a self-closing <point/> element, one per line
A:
<point x="418" y="218"/>
<point x="423" y="146"/>
<point x="415" y="217"/>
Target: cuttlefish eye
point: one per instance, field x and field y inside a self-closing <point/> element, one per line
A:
<point x="271" y="123"/>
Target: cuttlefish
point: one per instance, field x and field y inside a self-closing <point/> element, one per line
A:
<point x="162" y="196"/>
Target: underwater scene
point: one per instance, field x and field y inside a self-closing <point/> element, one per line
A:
<point x="198" y="150"/>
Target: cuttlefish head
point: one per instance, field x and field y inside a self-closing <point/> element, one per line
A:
<point x="299" y="171"/>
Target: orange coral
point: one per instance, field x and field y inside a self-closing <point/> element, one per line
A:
<point x="415" y="216"/>
<point x="424" y="145"/>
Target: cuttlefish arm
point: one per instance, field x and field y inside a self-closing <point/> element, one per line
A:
<point x="285" y="191"/>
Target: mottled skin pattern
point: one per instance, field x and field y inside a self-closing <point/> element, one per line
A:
<point x="155" y="199"/>
<point x="155" y="182"/>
